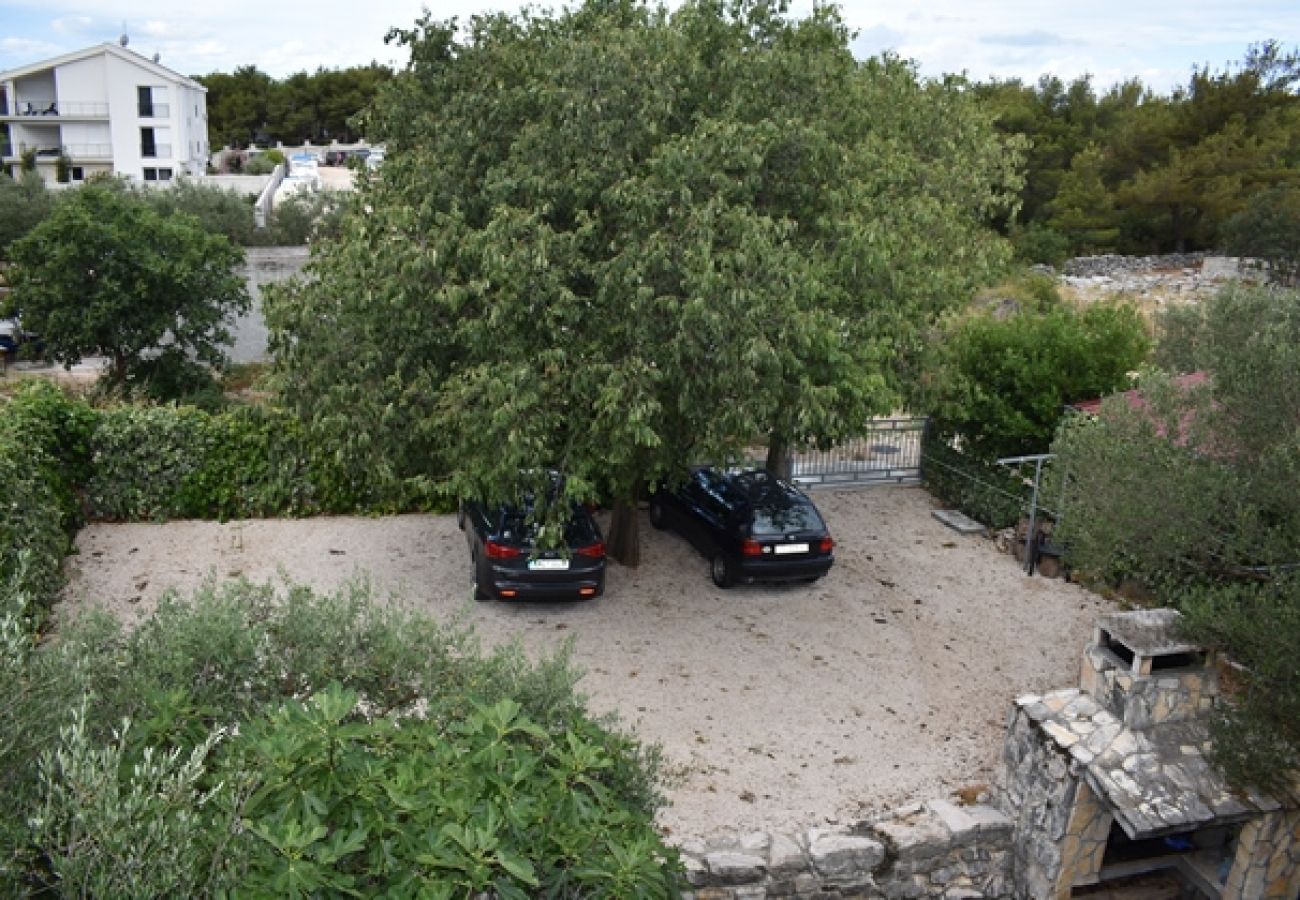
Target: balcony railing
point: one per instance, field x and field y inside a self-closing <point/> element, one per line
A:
<point x="70" y="108"/>
<point x="156" y="151"/>
<point x="154" y="110"/>
<point x="72" y="151"/>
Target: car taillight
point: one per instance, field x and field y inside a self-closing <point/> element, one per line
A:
<point x="501" y="551"/>
<point x="826" y="546"/>
<point x="751" y="547"/>
<point x="595" y="551"/>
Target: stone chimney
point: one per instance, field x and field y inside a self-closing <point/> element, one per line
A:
<point x="1139" y="669"/>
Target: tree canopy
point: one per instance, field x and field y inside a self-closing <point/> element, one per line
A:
<point x="616" y="240"/>
<point x="249" y="106"/>
<point x="1132" y="171"/>
<point x="105" y="274"/>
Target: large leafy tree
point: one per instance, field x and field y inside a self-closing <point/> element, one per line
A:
<point x="619" y="239"/>
<point x="107" y="275"/>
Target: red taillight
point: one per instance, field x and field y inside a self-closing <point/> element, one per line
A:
<point x="508" y="593"/>
<point x="826" y="546"/>
<point x="501" y="551"/>
<point x="586" y="592"/>
<point x="751" y="547"/>
<point x="595" y="551"/>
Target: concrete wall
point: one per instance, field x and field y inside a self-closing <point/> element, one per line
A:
<point x="262" y="266"/>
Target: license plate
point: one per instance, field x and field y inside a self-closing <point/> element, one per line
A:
<point x="548" y="565"/>
<point x="791" y="548"/>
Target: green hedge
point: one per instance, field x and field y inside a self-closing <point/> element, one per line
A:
<point x="991" y="494"/>
<point x="44" y="439"/>
<point x="169" y="462"/>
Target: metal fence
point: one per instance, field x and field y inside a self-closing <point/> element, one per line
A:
<point x="890" y="452"/>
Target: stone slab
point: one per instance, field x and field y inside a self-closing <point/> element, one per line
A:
<point x="958" y="521"/>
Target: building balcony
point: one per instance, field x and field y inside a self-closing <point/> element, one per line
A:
<point x="50" y="152"/>
<point x="154" y="110"/>
<point x="27" y="110"/>
<point x="156" y="151"/>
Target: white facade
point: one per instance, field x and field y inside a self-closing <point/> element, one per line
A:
<point x="104" y="109"/>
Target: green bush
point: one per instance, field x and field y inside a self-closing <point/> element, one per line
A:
<point x="44" y="455"/>
<point x="1001" y="384"/>
<point x="175" y="462"/>
<point x="292" y="744"/>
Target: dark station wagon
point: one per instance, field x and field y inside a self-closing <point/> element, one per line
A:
<point x="507" y="564"/>
<point x="750" y="525"/>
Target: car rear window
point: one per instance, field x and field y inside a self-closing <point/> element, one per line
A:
<point x="772" y="520"/>
<point x="516" y="528"/>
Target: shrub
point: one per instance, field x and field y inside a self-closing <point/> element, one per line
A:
<point x="44" y="453"/>
<point x="1001" y="384"/>
<point x="171" y="462"/>
<point x="368" y="749"/>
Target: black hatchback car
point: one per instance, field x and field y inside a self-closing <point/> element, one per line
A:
<point x="507" y="564"/>
<point x="750" y="525"/>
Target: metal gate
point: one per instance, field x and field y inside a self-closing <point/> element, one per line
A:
<point x="890" y="452"/>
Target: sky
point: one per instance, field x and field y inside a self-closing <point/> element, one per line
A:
<point x="1157" y="41"/>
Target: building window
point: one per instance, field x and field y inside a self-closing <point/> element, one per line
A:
<point x="78" y="173"/>
<point x="150" y="174"/>
<point x="164" y="174"/>
<point x="148" y="148"/>
<point x="151" y="102"/>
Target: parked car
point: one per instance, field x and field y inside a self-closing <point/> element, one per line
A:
<point x="336" y="157"/>
<point x="749" y="524"/>
<point x="507" y="564"/>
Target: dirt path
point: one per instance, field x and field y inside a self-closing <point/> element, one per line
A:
<point x="777" y="706"/>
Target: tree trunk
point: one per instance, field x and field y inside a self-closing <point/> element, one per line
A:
<point x="625" y="534"/>
<point x="779" y="462"/>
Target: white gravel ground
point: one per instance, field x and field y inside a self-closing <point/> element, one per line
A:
<point x="777" y="707"/>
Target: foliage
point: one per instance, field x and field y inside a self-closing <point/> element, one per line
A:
<point x="44" y="453"/>
<point x="258" y="742"/>
<point x="173" y="376"/>
<point x="1001" y="383"/>
<point x="303" y="218"/>
<point x="490" y="803"/>
<point x="247" y="106"/>
<point x="24" y="204"/>
<point x="170" y="462"/>
<point x="106" y="275"/>
<point x="1038" y="244"/>
<point x="990" y="494"/>
<point x="219" y="211"/>
<point x="1131" y="171"/>
<point x="1185" y="494"/>
<point x="261" y="164"/>
<point x="1257" y="738"/>
<point x="694" y="227"/>
<point x="1268" y="229"/>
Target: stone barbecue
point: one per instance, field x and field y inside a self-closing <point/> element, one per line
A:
<point x="1111" y="779"/>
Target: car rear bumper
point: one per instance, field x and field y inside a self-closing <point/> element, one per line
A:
<point x="752" y="569"/>
<point x="581" y="586"/>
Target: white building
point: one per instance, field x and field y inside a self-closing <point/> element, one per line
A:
<point x="103" y="109"/>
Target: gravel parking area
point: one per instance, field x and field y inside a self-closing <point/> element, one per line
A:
<point x="777" y="707"/>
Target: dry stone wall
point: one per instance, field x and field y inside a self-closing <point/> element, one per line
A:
<point x="936" y="849"/>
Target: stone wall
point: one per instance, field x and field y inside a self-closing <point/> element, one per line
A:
<point x="1111" y="265"/>
<point x="1267" y="863"/>
<point x="1038" y="793"/>
<point x="936" y="849"/>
